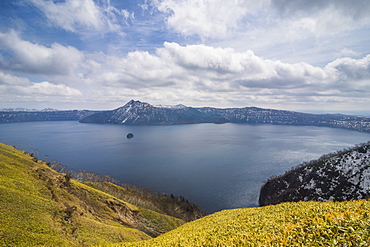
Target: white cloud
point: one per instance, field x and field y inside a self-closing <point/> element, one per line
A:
<point x="12" y="86"/>
<point x="291" y="31"/>
<point x="191" y="74"/>
<point x="71" y="13"/>
<point x="351" y="71"/>
<point x="78" y="15"/>
<point x="347" y="53"/>
<point x="7" y="79"/>
<point x="47" y="88"/>
<point x="30" y="58"/>
<point x="323" y="17"/>
<point x="199" y="71"/>
<point x="206" y="18"/>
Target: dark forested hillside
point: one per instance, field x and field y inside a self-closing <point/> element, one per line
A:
<point x="344" y="175"/>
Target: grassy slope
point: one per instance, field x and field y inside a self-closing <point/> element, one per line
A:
<point x="287" y="224"/>
<point x="177" y="207"/>
<point x="39" y="206"/>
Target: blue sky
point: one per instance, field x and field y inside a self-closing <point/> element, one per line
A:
<point x="98" y="54"/>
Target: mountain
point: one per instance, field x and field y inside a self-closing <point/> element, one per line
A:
<point x="43" y="115"/>
<point x="17" y="109"/>
<point x="139" y="113"/>
<point x="344" y="175"/>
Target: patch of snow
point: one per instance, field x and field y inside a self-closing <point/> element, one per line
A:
<point x="128" y="108"/>
<point x="179" y="106"/>
<point x="311" y="185"/>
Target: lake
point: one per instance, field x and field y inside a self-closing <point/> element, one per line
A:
<point x="216" y="166"/>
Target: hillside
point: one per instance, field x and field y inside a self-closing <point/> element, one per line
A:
<point x="287" y="224"/>
<point x="39" y="206"/>
<point x="176" y="206"/>
<point x="344" y="175"/>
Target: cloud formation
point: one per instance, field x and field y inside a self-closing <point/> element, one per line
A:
<point x="199" y="71"/>
<point x="14" y="85"/>
<point x="76" y="15"/>
<point x="29" y="58"/>
<point x="217" y="18"/>
<point x="282" y="54"/>
<point x="206" y="18"/>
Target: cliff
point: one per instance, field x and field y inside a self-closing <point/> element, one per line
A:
<point x="344" y="175"/>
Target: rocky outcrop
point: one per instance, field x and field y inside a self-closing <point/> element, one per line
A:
<point x="341" y="176"/>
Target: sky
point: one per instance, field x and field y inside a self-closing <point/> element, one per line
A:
<point x="301" y="55"/>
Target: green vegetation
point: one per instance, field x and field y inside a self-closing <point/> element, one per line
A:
<point x="287" y="224"/>
<point x="171" y="205"/>
<point x="39" y="206"/>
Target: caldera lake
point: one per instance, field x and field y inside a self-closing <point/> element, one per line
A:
<point x="216" y="166"/>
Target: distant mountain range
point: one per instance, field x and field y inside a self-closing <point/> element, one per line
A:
<point x="141" y="113"/>
<point x="344" y="175"/>
<point x="44" y="115"/>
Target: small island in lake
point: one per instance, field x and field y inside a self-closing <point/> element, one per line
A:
<point x="130" y="135"/>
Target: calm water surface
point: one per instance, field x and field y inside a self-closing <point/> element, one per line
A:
<point x="217" y="166"/>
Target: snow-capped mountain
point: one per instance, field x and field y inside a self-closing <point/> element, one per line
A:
<point x="341" y="176"/>
<point x="136" y="112"/>
<point x="139" y="113"/>
<point x="179" y="106"/>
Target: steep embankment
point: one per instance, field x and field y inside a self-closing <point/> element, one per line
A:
<point x="176" y="206"/>
<point x="39" y="206"/>
<point x="286" y="224"/>
<point x="344" y="175"/>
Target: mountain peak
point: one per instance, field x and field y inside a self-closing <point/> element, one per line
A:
<point x="136" y="103"/>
